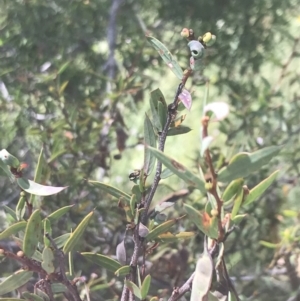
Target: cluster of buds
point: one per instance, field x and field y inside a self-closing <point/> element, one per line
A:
<point x="197" y="46"/>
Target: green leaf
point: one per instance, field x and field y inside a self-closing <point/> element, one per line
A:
<point x="134" y="288"/>
<point x="54" y="216"/>
<point x="103" y="261"/>
<point x="125" y="270"/>
<point x="11" y="212"/>
<point x="242" y="164"/>
<point x="179" y="130"/>
<point x="232" y="189"/>
<point x="162" y="114"/>
<point x="38" y="189"/>
<point x="166" y="173"/>
<point x="61" y="240"/>
<point x="149" y="139"/>
<point x="21" y="206"/>
<point x="169" y="237"/>
<point x="38" y="172"/>
<point x="31" y="297"/>
<point x="166" y="56"/>
<point x="15" y="281"/>
<point x="111" y="190"/>
<point x="145" y="287"/>
<point x="237" y="202"/>
<point x="269" y="244"/>
<point x="259" y="189"/>
<point x="13" y="229"/>
<point x="48" y="260"/>
<point x="181" y="171"/>
<point x="75" y="236"/>
<point x="33" y="233"/>
<point x="11" y="299"/>
<point x="162" y="228"/>
<point x="203" y="221"/>
<point x="9" y="159"/>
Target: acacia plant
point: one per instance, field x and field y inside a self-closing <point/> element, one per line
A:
<point x="43" y="256"/>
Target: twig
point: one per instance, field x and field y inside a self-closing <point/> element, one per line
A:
<point x="64" y="280"/>
<point x="213" y="188"/>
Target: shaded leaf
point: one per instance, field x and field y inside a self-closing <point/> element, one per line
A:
<point x="134" y="288"/>
<point x="181" y="171"/>
<point x="9" y="159"/>
<point x="38" y="189"/>
<point x="242" y="164"/>
<point x="33" y="233"/>
<point x="21" y="206"/>
<point x="31" y="297"/>
<point x="149" y="139"/>
<point x="13" y="229"/>
<point x="61" y="240"/>
<point x="237" y="202"/>
<point x="54" y="216"/>
<point x="111" y="190"/>
<point x="75" y="236"/>
<point x="103" y="261"/>
<point x="166" y="56"/>
<point x="232" y="189"/>
<point x="14" y="281"/>
<point x="259" y="189"/>
<point x="179" y="130"/>
<point x="48" y="260"/>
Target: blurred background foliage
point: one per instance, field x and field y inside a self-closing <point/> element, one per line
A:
<point x="75" y="78"/>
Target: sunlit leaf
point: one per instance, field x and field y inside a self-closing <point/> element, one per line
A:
<point x="145" y="287"/>
<point x="259" y="189"/>
<point x="179" y="130"/>
<point x="166" y="56"/>
<point x="37" y="189"/>
<point x="134" y="288"/>
<point x="13" y="229"/>
<point x="242" y="164"/>
<point x="54" y="216"/>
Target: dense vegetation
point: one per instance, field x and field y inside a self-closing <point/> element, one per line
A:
<point x="76" y="80"/>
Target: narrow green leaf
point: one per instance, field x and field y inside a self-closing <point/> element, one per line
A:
<point x="242" y="164"/>
<point x="11" y="212"/>
<point x="11" y="299"/>
<point x="38" y="189"/>
<point x="149" y="139"/>
<point x="125" y="270"/>
<point x="162" y="228"/>
<point x="232" y="189"/>
<point x="15" y="281"/>
<point x="54" y="216"/>
<point x="134" y="288"/>
<point x="38" y="172"/>
<point x="58" y="288"/>
<point x="259" y="189"/>
<point x="13" y="229"/>
<point x="237" y="202"/>
<point x="238" y="218"/>
<point x="166" y="56"/>
<point x="47" y="229"/>
<point x="181" y="171"/>
<point x="269" y="244"/>
<point x="21" y="206"/>
<point x="205" y="144"/>
<point x="75" y="236"/>
<point x="103" y="261"/>
<point x="111" y="190"/>
<point x="63" y="67"/>
<point x="203" y="221"/>
<point x="61" y="240"/>
<point x="145" y="287"/>
<point x="162" y="114"/>
<point x="179" y="130"/>
<point x="33" y="233"/>
<point x="31" y="297"/>
<point x="166" y="173"/>
<point x="9" y="159"/>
